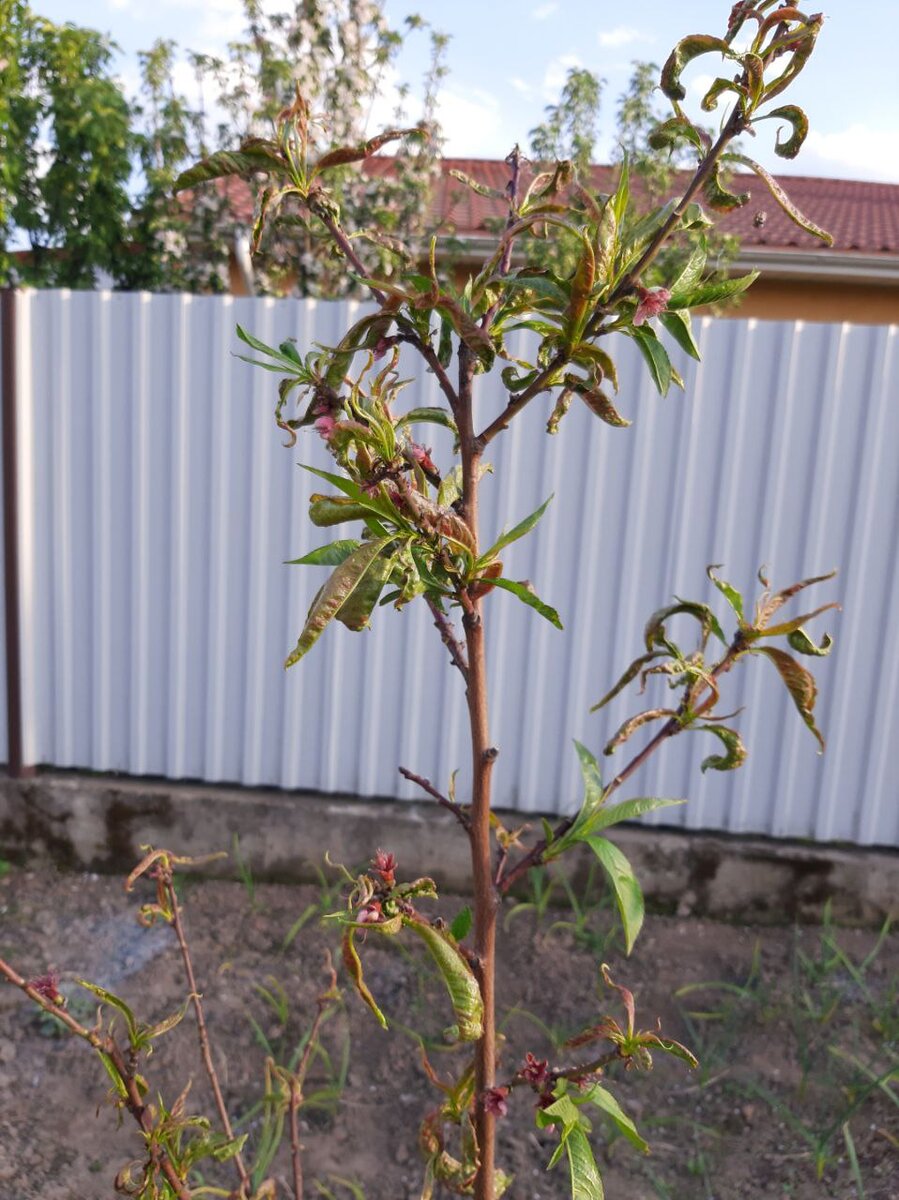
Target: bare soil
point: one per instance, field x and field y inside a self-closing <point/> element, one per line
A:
<point x="774" y="1083"/>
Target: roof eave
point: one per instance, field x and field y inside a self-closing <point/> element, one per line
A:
<point x="820" y="265"/>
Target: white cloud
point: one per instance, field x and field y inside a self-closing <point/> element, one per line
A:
<point x="520" y="86"/>
<point x="621" y="35"/>
<point x="472" y="124"/>
<point x="857" y="152"/>
<point x="556" y="74"/>
<point x="698" y="86"/>
<point x="543" y="11"/>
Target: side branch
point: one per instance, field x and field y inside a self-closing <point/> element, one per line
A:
<point x="672" y="726"/>
<point x="448" y="637"/>
<point x="426" y="786"/>
<point x="517" y="403"/>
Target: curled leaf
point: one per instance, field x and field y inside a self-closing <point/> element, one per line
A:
<point x="803" y="644"/>
<point x="783" y="199"/>
<point x="632" y="724"/>
<point x="458" y="977"/>
<point x="630" y="674"/>
<point x="798" y="121"/>
<point x="717" y="194"/>
<point x="353" y="964"/>
<point x="654" y="634"/>
<point x="601" y="406"/>
<point x="684" y="52"/>
<point x="735" y="754"/>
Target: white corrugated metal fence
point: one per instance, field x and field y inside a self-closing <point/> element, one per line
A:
<point x="157" y="507"/>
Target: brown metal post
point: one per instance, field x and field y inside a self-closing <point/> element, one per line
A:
<point x="16" y="766"/>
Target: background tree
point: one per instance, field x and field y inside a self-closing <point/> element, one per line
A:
<point x="65" y="134"/>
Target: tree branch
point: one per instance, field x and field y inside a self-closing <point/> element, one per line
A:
<point x="448" y="637"/>
<point x="426" y="786"/>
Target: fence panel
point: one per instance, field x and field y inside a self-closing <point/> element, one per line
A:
<point x="159" y="509"/>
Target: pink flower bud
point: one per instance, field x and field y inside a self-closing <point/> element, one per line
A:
<point x="652" y="302"/>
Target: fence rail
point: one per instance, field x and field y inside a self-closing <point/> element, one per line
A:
<point x="156" y="509"/>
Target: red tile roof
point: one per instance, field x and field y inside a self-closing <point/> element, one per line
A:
<point x="862" y="217"/>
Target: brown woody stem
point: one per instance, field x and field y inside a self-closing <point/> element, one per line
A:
<point x="448" y="637"/>
<point x="202" y="1031"/>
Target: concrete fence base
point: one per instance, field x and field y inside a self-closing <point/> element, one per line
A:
<point x="99" y="823"/>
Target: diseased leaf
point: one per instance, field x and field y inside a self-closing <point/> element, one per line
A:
<point x="781" y="197"/>
<point x="684" y="52"/>
<point x="798" y="121"/>
<point x="632" y="724"/>
<point x="356" y="611"/>
<point x="654" y="633"/>
<point x="374" y="504"/>
<point x="342" y="155"/>
<point x="673" y="133"/>
<point x="334" y="510"/>
<point x="526" y="595"/>
<point x="115" y="1002"/>
<point x="335" y="593"/>
<point x="458" y="977"/>
<point x="717" y="194"/>
<point x="799" y="682"/>
<point x="606" y="1101"/>
<point x="561" y="407"/>
<point x="787" y="627"/>
<point x="628" y="895"/>
<point x="353" y="964"/>
<point x="630" y="674"/>
<point x="256" y="154"/>
<point x="480" y="188"/>
<point x="601" y="406"/>
<point x="669" y="1046"/>
<point x="735" y="754"/>
<point x="803" y="644"/>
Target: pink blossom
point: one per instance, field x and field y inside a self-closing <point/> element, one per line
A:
<point x="495" y="1101"/>
<point x="384" y="864"/>
<point x="47" y="986"/>
<point x="422" y="457"/>
<point x="370" y="914"/>
<point x="652" y="302"/>
<point x="325" y="426"/>
<point x="535" y="1071"/>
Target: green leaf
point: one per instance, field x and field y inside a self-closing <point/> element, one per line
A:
<point x="335" y="593"/>
<point x="606" y="1101"/>
<point x="432" y="416"/>
<point x="655" y="355"/>
<point x="457" y="976"/>
<point x="525" y="594"/>
<point x="517" y="531"/>
<point x="727" y="590"/>
<point x="287" y="361"/>
<point x="461" y="926"/>
<point x="627" y="810"/>
<point x="113" y="1074"/>
<point x="712" y="292"/>
<point x="799" y="682"/>
<point x="621" y="195"/>
<point x="586" y="1182"/>
<point x="115" y="1002"/>
<point x="331" y="555"/>
<point x="678" y="325"/>
<point x="261" y="156"/>
<point x="590" y="773"/>
<point x="628" y="895"/>
<point x="735" y="754"/>
<point x="692" y="271"/>
<point x="781" y="198"/>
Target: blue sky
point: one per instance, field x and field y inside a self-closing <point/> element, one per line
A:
<point x="508" y="58"/>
